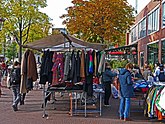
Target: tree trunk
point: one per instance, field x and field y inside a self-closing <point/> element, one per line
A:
<point x="20" y="48"/>
<point x="20" y="54"/>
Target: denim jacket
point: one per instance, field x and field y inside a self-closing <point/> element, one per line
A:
<point x="126" y="83"/>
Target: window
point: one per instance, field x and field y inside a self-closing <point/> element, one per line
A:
<point x="163" y="51"/>
<point x="152" y="50"/>
<point x="134" y="34"/>
<point x="153" y="21"/>
<point x="142" y="28"/>
<point x="163" y="15"/>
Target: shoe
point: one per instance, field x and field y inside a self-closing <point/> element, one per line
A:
<point x="127" y="119"/>
<point x="121" y="118"/>
<point x="21" y="102"/>
<point x="15" y="108"/>
<point x="42" y="106"/>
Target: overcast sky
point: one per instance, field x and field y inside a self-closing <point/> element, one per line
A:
<point x="55" y="9"/>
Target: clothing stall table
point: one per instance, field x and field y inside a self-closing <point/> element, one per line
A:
<point x="99" y="93"/>
<point x="140" y="89"/>
<point x="74" y="105"/>
<point x="52" y="91"/>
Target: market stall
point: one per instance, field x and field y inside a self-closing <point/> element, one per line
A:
<point x="63" y="58"/>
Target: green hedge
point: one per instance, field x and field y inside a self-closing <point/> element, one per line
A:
<point x="118" y="64"/>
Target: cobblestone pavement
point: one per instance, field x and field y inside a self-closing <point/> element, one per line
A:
<point x="31" y="112"/>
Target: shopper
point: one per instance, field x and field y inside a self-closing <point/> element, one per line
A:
<point x="156" y="69"/>
<point x="147" y="71"/>
<point x="107" y="77"/>
<point x="126" y="91"/>
<point x="15" y="80"/>
<point x="161" y="74"/>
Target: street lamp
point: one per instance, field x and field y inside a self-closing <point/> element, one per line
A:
<point x="1" y="23"/>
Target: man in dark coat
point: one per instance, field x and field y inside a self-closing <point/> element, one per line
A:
<point x="126" y="91"/>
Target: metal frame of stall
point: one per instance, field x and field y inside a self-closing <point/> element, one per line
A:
<point x="72" y="111"/>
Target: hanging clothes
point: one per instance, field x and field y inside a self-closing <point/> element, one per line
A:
<point x="58" y="69"/>
<point x="162" y="99"/>
<point x="32" y="67"/>
<point x="91" y="69"/>
<point x="73" y="70"/>
<point x="24" y="72"/>
<point x="153" y="98"/>
<point x="46" y="73"/>
<point x="95" y="63"/>
<point x="78" y="63"/>
<point x="88" y="85"/>
<point x="82" y="65"/>
<point x="98" y="56"/>
<point x="67" y="65"/>
<point x="101" y="67"/>
<point x="28" y="71"/>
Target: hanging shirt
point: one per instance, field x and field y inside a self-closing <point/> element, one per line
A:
<point x="58" y="68"/>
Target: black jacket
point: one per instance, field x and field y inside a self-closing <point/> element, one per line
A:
<point x="108" y="75"/>
<point x="15" y="76"/>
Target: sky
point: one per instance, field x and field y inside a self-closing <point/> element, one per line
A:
<point x="55" y="9"/>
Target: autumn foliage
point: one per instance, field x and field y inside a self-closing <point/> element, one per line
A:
<point x="102" y="21"/>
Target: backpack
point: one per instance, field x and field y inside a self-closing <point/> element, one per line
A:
<point x="161" y="76"/>
<point x="14" y="76"/>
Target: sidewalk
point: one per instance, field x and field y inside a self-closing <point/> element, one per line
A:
<point x="31" y="112"/>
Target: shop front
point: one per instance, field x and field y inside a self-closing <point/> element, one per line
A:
<point x="128" y="52"/>
<point x="163" y="51"/>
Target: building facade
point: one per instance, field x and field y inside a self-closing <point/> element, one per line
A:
<point x="148" y="32"/>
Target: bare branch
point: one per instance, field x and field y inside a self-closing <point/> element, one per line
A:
<point x="27" y="34"/>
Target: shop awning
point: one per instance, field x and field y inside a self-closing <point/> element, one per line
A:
<point x="116" y="53"/>
<point x="123" y="48"/>
<point x="63" y="41"/>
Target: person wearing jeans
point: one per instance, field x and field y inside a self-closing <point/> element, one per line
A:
<point x="15" y="79"/>
<point x="124" y="107"/>
<point x="126" y="92"/>
<point x="16" y="96"/>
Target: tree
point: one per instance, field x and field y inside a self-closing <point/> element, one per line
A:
<point x="104" y="21"/>
<point x="11" y="51"/>
<point x="24" y="21"/>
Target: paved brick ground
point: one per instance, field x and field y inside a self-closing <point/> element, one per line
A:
<point x="31" y="112"/>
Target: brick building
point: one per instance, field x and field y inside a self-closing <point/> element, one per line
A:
<point x="148" y="33"/>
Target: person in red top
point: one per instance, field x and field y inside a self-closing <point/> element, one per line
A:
<point x="3" y="65"/>
<point x="95" y="80"/>
<point x="3" y="68"/>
